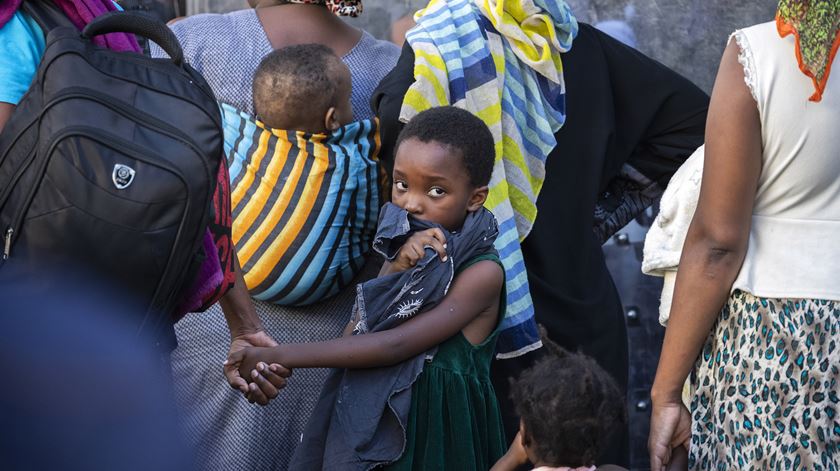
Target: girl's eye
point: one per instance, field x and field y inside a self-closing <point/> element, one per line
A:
<point x="436" y="192"/>
<point x="401" y="185"/>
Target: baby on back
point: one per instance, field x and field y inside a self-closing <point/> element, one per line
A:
<point x="300" y="235"/>
<point x="303" y="88"/>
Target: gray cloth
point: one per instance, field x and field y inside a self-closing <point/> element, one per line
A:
<point x="228" y="433"/>
<point x="362" y="414"/>
<point x="228" y="61"/>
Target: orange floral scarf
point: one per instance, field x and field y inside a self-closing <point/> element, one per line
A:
<point x="816" y="26"/>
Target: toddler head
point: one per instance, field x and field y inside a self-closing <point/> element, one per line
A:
<point x="443" y="163"/>
<point x="303" y="88"/>
<point x="568" y="407"/>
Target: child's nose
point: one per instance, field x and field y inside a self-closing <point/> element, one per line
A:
<point x="413" y="206"/>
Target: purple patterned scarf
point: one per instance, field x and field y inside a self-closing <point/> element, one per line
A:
<point x="7" y="9"/>
<point x="80" y="13"/>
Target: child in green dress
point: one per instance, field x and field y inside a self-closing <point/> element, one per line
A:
<point x="442" y="169"/>
<point x="568" y="407"/>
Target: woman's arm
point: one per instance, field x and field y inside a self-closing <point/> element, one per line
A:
<point x="20" y="55"/>
<point x="715" y="245"/>
<point x="473" y="293"/>
<point x="246" y="330"/>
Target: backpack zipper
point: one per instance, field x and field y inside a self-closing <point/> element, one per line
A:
<point x="148" y="121"/>
<point x="18" y="173"/>
<point x="117" y="143"/>
<point x="7" y="244"/>
<point x="17" y="138"/>
<point x="155" y="63"/>
<point x="145" y="119"/>
<point x="13" y="231"/>
<point x="147" y="62"/>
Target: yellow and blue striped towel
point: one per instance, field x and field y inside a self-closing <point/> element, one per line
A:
<point x="500" y="60"/>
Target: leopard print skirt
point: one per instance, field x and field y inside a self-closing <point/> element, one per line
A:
<point x="766" y="387"/>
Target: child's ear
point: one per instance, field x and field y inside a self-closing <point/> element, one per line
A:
<point x="477" y="199"/>
<point x="331" y="120"/>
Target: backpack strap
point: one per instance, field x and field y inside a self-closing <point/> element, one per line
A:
<point x="46" y="14"/>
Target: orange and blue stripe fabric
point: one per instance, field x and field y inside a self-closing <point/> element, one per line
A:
<point x="304" y="206"/>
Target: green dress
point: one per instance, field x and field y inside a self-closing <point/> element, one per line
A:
<point x="454" y="422"/>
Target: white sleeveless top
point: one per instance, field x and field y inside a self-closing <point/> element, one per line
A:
<point x="794" y="245"/>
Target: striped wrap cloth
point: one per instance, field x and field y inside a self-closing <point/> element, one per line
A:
<point x="500" y="60"/>
<point x="304" y="206"/>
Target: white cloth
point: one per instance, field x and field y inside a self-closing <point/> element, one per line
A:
<point x="794" y="245"/>
<point x="793" y="249"/>
<point x="664" y="240"/>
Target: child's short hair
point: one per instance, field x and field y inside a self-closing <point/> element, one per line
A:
<point x="569" y="406"/>
<point x="458" y="129"/>
<point x="296" y="79"/>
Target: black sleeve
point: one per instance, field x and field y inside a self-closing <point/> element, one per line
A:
<point x="660" y="114"/>
<point x="630" y="123"/>
<point x="649" y="120"/>
<point x="659" y="120"/>
<point x="387" y="101"/>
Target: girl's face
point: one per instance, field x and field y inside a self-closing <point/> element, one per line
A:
<point x="431" y="183"/>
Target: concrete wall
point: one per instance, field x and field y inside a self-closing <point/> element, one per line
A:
<point x="686" y="35"/>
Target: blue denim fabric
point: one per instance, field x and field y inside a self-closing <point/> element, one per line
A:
<point x="362" y="414"/>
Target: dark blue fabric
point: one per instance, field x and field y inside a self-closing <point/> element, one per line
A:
<point x="361" y="416"/>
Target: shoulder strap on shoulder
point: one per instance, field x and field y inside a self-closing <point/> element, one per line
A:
<point x="491" y="256"/>
<point x="46" y="14"/>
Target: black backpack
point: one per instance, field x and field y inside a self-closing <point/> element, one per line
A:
<point x="108" y="166"/>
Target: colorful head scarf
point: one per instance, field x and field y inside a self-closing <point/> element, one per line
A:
<point x="816" y="25"/>
<point x="339" y="7"/>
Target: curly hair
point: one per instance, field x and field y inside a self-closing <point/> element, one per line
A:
<point x="459" y="130"/>
<point x="305" y="78"/>
<point x="569" y="406"/>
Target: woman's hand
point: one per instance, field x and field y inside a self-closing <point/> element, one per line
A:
<point x="414" y="249"/>
<point x="239" y="342"/>
<point x="670" y="427"/>
<point x="246" y="331"/>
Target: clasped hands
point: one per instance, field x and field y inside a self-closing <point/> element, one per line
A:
<point x="260" y="382"/>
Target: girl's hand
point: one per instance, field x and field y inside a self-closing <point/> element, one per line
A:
<point x="267" y="382"/>
<point x="246" y="359"/>
<point x="516" y="452"/>
<point x="670" y="427"/>
<point x="414" y="249"/>
<point x="515" y="457"/>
